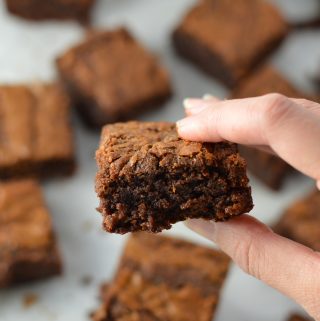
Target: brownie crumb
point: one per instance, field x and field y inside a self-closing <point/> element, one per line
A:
<point x="30" y="299"/>
<point x="86" y="280"/>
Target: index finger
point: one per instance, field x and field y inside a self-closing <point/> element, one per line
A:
<point x="273" y="120"/>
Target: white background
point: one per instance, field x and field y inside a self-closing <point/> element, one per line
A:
<point x="27" y="52"/>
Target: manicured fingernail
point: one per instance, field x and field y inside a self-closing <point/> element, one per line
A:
<point x="181" y="124"/>
<point x="208" y="97"/>
<point x="205" y="228"/>
<point x="190" y="103"/>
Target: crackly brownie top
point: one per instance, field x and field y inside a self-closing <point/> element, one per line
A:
<point x="301" y="222"/>
<point x="238" y="31"/>
<point x="114" y="70"/>
<point x="25" y="225"/>
<point x="34" y="124"/>
<point x="159" y="279"/>
<point x="125" y="149"/>
<point x="263" y="81"/>
<point x="162" y="257"/>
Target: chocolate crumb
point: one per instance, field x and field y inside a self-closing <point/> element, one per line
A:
<point x="30" y="299"/>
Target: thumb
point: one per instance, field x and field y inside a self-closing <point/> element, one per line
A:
<point x="291" y="268"/>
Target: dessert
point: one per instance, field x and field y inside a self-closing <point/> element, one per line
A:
<point x="111" y="77"/>
<point x="301" y="221"/>
<point x="28" y="249"/>
<point x="51" y="9"/>
<point x="159" y="279"/>
<point x="35" y="130"/>
<point x="227" y="39"/>
<point x="148" y="178"/>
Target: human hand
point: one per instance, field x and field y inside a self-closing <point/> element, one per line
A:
<point x="291" y="129"/>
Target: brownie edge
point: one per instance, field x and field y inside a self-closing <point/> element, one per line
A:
<point x="149" y="178"/>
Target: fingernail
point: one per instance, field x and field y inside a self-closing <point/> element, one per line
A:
<point x="203" y="227"/>
<point x="190" y="103"/>
<point x="208" y="97"/>
<point x="181" y="124"/>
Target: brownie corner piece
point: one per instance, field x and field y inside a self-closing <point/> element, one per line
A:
<point x="112" y="77"/>
<point x="53" y="9"/>
<point x="36" y="131"/>
<point x="158" y="279"/>
<point x="212" y="32"/>
<point x="148" y="178"/>
<point x="28" y="249"/>
<point x="301" y="221"/>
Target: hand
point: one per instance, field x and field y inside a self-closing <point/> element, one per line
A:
<point x="291" y="129"/>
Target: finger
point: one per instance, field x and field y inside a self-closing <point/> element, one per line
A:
<point x="308" y="104"/>
<point x="285" y="265"/>
<point x="273" y="120"/>
<point x="194" y="106"/>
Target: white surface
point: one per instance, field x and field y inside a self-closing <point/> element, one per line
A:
<point x="27" y="52"/>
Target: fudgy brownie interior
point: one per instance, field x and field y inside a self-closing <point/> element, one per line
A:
<point x="149" y="178"/>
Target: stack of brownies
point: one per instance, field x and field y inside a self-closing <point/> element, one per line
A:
<point x="148" y="178"/>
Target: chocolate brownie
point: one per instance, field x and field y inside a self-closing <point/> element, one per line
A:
<point x="112" y="77"/>
<point x="28" y="250"/>
<point x="51" y="9"/>
<point x="160" y="279"/>
<point x="148" y="178"/>
<point x="36" y="136"/>
<point x="301" y="221"/>
<point x="297" y="317"/>
<point x="227" y="38"/>
<point x="269" y="168"/>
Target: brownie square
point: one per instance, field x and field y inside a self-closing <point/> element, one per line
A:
<point x="36" y="135"/>
<point x="228" y="38"/>
<point x="111" y="77"/>
<point x="270" y="169"/>
<point x="160" y="279"/>
<point x="51" y="9"/>
<point x="28" y="250"/>
<point x="148" y="178"/>
<point x="301" y="221"/>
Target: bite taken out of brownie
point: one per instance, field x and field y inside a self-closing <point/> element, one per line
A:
<point x="148" y="178"/>
<point x="52" y="9"/>
<point x="112" y="77"/>
<point x="228" y="38"/>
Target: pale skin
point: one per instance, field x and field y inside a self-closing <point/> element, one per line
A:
<point x="289" y="128"/>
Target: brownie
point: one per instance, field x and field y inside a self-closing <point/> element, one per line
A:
<point x="36" y="135"/>
<point x="297" y="317"/>
<point x="28" y="250"/>
<point x="111" y="77"/>
<point x="227" y="38"/>
<point x="301" y="221"/>
<point x="148" y="178"/>
<point x="51" y="9"/>
<point x="160" y="279"/>
<point x="269" y="168"/>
